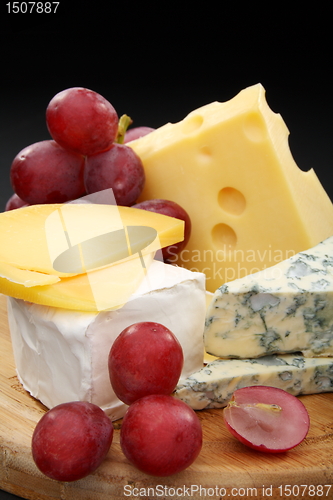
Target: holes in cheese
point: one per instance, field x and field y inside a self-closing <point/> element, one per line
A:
<point x="255" y="128"/>
<point x="192" y="123"/>
<point x="224" y="237"/>
<point x="204" y="156"/>
<point x="232" y="201"/>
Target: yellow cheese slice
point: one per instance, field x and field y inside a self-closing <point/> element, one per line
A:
<point x="70" y="239"/>
<point x="102" y="289"/>
<point x="230" y="167"/>
<point x="86" y="257"/>
<point x="24" y="277"/>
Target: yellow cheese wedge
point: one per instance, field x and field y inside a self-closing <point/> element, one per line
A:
<point x="70" y="239"/>
<point x="102" y="289"/>
<point x="230" y="167"/>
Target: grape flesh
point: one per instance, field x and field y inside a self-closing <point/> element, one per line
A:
<point x="71" y="440"/>
<point x="44" y="172"/>
<point x="82" y="121"/>
<point x="120" y="169"/>
<point x="146" y="358"/>
<point x="136" y="132"/>
<point x="266" y="418"/>
<point x="172" y="209"/>
<point x="160" y="435"/>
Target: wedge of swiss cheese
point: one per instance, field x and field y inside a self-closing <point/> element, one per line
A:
<point x="230" y="167"/>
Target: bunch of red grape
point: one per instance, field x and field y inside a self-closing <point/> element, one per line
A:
<point x="83" y="156"/>
<point x="88" y="153"/>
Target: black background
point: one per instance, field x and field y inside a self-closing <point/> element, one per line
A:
<point x="157" y="62"/>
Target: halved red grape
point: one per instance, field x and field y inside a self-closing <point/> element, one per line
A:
<point x="44" y="172"/>
<point x="172" y="209"/>
<point x="136" y="132"/>
<point x="146" y="358"/>
<point x="71" y="440"/>
<point x="160" y="435"/>
<point x="120" y="169"/>
<point x="266" y="418"/>
<point x="82" y="120"/>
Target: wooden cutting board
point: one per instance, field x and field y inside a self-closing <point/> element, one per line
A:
<point x="225" y="468"/>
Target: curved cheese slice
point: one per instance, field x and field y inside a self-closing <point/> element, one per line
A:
<point x="103" y="289"/>
<point x="32" y="238"/>
<point x="24" y="277"/>
<point x="86" y="257"/>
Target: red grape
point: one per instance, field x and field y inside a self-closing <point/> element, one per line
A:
<point x="266" y="418"/>
<point x="171" y="209"/>
<point x="71" y="440"/>
<point x="120" y="169"/>
<point x="135" y="133"/>
<point x="146" y="358"/>
<point x="44" y="172"/>
<point x="15" y="202"/>
<point x="82" y="120"/>
<point x="160" y="435"/>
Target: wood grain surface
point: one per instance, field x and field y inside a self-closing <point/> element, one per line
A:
<point x="224" y="469"/>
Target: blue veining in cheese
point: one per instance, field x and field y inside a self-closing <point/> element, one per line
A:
<point x="214" y="384"/>
<point x="286" y="308"/>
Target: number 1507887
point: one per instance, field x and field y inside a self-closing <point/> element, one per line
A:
<point x="32" y="7"/>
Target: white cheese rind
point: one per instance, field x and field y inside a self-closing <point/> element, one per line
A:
<point x="283" y="309"/>
<point x="61" y="355"/>
<point x="214" y="385"/>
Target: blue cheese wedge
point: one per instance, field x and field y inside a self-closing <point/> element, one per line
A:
<point x="213" y="385"/>
<point x="286" y="308"/>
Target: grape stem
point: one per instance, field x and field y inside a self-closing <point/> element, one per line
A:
<point x="124" y="122"/>
<point x="261" y="406"/>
